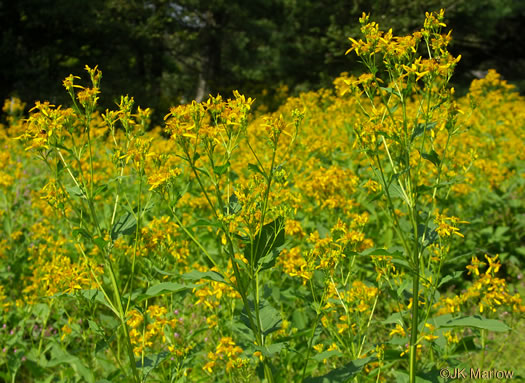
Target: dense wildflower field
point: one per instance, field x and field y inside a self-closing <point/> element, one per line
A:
<point x="371" y="232"/>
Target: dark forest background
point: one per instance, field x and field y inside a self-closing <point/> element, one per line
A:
<point x="168" y="52"/>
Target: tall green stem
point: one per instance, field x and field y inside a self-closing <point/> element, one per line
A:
<point x="414" y="331"/>
<point x="122" y="318"/>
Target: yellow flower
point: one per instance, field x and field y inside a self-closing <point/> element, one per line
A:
<point x="446" y="225"/>
<point x="319" y="347"/>
<point x="135" y="319"/>
<point x="66" y="330"/>
<point x="209" y="366"/>
<point x="474" y="265"/>
<point x="398" y="330"/>
<point x="493" y="265"/>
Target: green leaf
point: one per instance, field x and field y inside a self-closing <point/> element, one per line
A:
<point x="60" y="166"/>
<point x="125" y="225"/>
<point x="270" y="319"/>
<point x="342" y="374"/>
<point x="448" y="278"/>
<point x="299" y="319"/>
<point x="221" y="169"/>
<point x="195" y="275"/>
<point x="164" y="272"/>
<point x="391" y="354"/>
<point x="94" y="295"/>
<point x="100" y="189"/>
<point x="432" y="157"/>
<point x="478" y="322"/>
<point x="467" y="344"/>
<point x="270" y="350"/>
<point x="391" y="253"/>
<point x="150" y="363"/>
<point x="394" y="108"/>
<point x="421" y="127"/>
<point x="297" y="335"/>
<point x="269" y="238"/>
<point x="95" y="327"/>
<point x="241" y="328"/>
<point x="203" y="171"/>
<point x="82" y="232"/>
<point x="100" y="242"/>
<point x="326" y="355"/>
<point x="60" y="356"/>
<point x="60" y="146"/>
<point x="104" y="343"/>
<point x="391" y="91"/>
<point x="75" y="191"/>
<point x="176" y="196"/>
<point x="233" y="205"/>
<point x="268" y="261"/>
<point x="255" y="168"/>
<point x="396" y="192"/>
<point x="164" y="288"/>
<point x="41" y="311"/>
<point x="13" y="363"/>
<point x="394" y="318"/>
<point x="429" y="377"/>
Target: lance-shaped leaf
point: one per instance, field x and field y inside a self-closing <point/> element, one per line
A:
<point x="125" y="225"/>
<point x="269" y="238"/>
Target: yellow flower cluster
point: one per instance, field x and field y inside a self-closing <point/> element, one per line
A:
<point x="152" y="329"/>
<point x="59" y="274"/>
<point x="210" y="293"/>
<point x="226" y="351"/>
<point x="487" y="291"/>
<point x="46" y="125"/>
<point x="7" y="168"/>
<point x="5" y="303"/>
<point x="356" y="300"/>
<point x="330" y="187"/>
<point x="447" y="225"/>
<point x="205" y="122"/>
<point x="54" y="195"/>
<point x="294" y="264"/>
<point x="400" y="54"/>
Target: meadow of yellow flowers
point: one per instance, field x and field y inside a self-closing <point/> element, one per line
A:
<point x="371" y="232"/>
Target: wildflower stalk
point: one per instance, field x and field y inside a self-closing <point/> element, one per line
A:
<point x="310" y="343"/>
<point x="415" y="321"/>
<point x="109" y="265"/>
<point x="254" y="325"/>
<point x="403" y="69"/>
<point x="88" y="194"/>
<point x="267" y="370"/>
<point x="137" y="236"/>
<point x="122" y="317"/>
<point x="413" y="253"/>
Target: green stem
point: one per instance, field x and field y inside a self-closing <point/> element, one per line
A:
<point x="137" y="238"/>
<point x="415" y="312"/>
<point x="310" y="341"/>
<point x="122" y="318"/>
